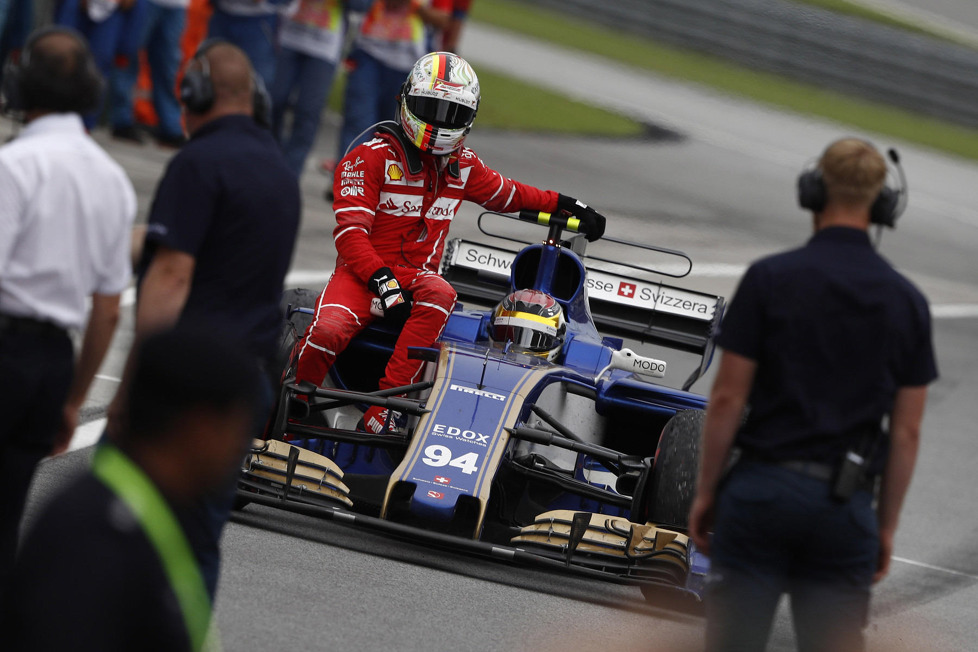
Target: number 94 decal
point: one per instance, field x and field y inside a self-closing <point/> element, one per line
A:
<point x="437" y="455"/>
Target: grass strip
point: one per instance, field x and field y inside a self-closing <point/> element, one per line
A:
<point x="514" y="105"/>
<point x="722" y="75"/>
<point x="866" y="12"/>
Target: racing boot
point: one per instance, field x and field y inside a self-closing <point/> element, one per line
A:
<point x="375" y="420"/>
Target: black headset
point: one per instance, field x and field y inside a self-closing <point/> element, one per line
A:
<point x="197" y="88"/>
<point x="886" y="208"/>
<point x="80" y="94"/>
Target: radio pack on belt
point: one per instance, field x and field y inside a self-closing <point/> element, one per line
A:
<point x="850" y="475"/>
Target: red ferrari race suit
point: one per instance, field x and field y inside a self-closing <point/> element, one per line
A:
<point x="389" y="216"/>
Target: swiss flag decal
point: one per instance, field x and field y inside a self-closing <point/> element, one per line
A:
<point x="626" y="289"/>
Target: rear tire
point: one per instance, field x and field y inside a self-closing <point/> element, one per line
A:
<point x="673" y="482"/>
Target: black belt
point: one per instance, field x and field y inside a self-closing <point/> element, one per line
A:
<point x="29" y="325"/>
<point x="816" y="470"/>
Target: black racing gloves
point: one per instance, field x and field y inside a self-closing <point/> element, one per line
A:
<point x="592" y="222"/>
<point x="394" y="300"/>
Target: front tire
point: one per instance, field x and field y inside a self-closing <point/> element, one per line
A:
<point x="293" y="328"/>
<point x="672" y="485"/>
<point x="665" y="495"/>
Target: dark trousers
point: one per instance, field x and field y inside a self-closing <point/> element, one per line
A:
<point x="35" y="373"/>
<point x="778" y="531"/>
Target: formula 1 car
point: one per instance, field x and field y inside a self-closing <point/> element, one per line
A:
<point x="585" y="463"/>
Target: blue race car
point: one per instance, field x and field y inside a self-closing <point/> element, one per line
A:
<point x="582" y="459"/>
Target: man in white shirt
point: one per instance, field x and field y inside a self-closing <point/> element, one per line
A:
<point x="65" y="220"/>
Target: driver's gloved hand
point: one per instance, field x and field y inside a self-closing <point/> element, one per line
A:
<point x="394" y="300"/>
<point x="592" y="222"/>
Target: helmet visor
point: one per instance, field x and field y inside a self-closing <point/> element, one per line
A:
<point x="525" y="335"/>
<point x="440" y="113"/>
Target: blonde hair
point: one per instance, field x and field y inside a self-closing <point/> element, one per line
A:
<point x="854" y="172"/>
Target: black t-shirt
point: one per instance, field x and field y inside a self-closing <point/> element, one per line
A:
<point x="88" y="578"/>
<point x="835" y="331"/>
<point x="229" y="199"/>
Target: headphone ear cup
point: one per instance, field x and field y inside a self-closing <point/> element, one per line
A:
<point x="261" y="103"/>
<point x="13" y="97"/>
<point x="196" y="91"/>
<point x="811" y="191"/>
<point x="884" y="208"/>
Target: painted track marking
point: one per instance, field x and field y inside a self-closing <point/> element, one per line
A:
<point x="932" y="567"/>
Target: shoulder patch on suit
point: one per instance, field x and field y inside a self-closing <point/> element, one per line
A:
<point x="412" y="157"/>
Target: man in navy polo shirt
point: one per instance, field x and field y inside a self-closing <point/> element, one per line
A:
<point x="824" y="343"/>
<point x="220" y="238"/>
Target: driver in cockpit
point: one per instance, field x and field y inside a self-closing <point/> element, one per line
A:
<point x="531" y="321"/>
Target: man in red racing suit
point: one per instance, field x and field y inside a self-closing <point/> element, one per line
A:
<point x="394" y="203"/>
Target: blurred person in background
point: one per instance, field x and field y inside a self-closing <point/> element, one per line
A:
<point x="311" y="39"/>
<point x="219" y="242"/>
<point x="65" y="218"/>
<point x="448" y="39"/>
<point x="16" y="21"/>
<point x="112" y="28"/>
<point x="107" y="566"/>
<point x="198" y="14"/>
<point x="392" y="37"/>
<point x="826" y="344"/>
<point x="159" y="36"/>
<point x="252" y="25"/>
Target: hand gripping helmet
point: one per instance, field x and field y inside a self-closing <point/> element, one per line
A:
<point x="532" y="321"/>
<point x="438" y="102"/>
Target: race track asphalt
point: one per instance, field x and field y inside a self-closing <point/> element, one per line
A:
<point x="724" y="193"/>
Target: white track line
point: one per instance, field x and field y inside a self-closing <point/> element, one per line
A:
<point x="128" y="297"/>
<point x="954" y="311"/>
<point x="87" y="434"/>
<point x="921" y="564"/>
<point x="307" y="277"/>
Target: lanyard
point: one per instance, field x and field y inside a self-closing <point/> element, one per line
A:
<point x="128" y="482"/>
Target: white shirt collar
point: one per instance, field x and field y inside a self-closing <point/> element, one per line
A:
<point x="54" y="123"/>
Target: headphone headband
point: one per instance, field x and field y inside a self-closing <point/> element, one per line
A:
<point x="197" y="87"/>
<point x="886" y="208"/>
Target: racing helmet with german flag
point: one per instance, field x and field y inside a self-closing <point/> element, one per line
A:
<point x="438" y="102"/>
<point x="532" y="320"/>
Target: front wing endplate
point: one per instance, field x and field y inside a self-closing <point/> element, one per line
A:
<point x="313" y="475"/>
<point x="612" y="537"/>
